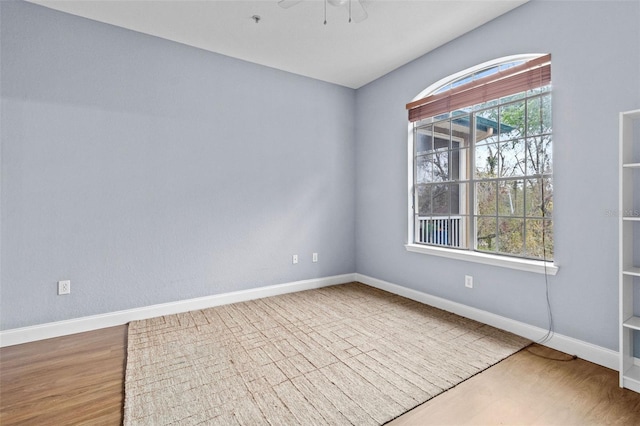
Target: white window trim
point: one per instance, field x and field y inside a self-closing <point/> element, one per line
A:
<point x="528" y="265"/>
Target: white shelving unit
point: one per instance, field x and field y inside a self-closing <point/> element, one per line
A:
<point x="629" y="227"/>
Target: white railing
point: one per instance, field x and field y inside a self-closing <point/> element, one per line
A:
<point x="444" y="230"/>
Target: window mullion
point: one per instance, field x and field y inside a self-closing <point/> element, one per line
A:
<point x="525" y="177"/>
<point x="471" y="212"/>
<point x="414" y="187"/>
<point x="496" y="247"/>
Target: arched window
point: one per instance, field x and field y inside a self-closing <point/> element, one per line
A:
<point x="482" y="172"/>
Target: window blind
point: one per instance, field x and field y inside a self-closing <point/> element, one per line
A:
<point x="529" y="75"/>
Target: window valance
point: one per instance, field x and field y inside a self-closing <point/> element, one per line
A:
<point x="526" y="76"/>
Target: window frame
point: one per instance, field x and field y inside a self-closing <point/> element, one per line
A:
<point x="469" y="253"/>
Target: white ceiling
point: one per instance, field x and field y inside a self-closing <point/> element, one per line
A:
<point x="295" y="39"/>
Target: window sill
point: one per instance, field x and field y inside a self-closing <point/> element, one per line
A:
<point x="537" y="266"/>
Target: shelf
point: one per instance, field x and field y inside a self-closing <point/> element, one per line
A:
<point x="629" y="140"/>
<point x="633" y="373"/>
<point x="631" y="378"/>
<point x="633" y="322"/>
<point x="632" y="270"/>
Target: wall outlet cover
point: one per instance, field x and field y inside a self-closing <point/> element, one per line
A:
<point x="64" y="287"/>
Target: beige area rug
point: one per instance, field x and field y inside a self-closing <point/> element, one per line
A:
<point x="340" y="355"/>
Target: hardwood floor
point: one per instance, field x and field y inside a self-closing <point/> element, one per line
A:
<point x="76" y="379"/>
<point x="533" y="388"/>
<point x="79" y="379"/>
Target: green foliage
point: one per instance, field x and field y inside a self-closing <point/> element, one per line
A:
<point x="520" y="161"/>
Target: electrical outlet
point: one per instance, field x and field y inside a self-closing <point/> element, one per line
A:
<point x="315" y="257"/>
<point x="468" y="281"/>
<point x="64" y="287"/>
<point x="295" y="259"/>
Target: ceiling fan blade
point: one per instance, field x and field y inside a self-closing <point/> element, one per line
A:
<point x="358" y="12"/>
<point x="286" y="4"/>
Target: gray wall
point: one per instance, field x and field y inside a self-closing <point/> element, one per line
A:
<point x="595" y="49"/>
<point x="146" y="171"/>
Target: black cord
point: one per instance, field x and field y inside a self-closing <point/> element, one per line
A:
<point x="551" y="329"/>
<point x="325" y="12"/>
<point x="566" y="359"/>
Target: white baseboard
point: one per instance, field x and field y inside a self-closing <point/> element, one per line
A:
<point x="584" y="350"/>
<point x="590" y="352"/>
<point x="78" y="325"/>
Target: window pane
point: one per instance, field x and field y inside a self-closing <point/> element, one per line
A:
<point x="441" y="166"/>
<point x="445" y="231"/>
<point x="456" y="160"/>
<point x="546" y="114"/>
<point x="441" y="142"/>
<point x="487" y="126"/>
<point x="539" y="115"/>
<point x="460" y="111"/>
<point x="485" y="136"/>
<point x="462" y="81"/>
<point x="459" y="237"/>
<point x="459" y="198"/>
<point x="454" y="202"/>
<point x="535" y="191"/>
<point x="534" y="198"/>
<point x="548" y="239"/>
<point x="423" y="194"/>
<point x="441" y="200"/>
<point x="486" y="161"/>
<point x="511" y="236"/>
<point x="512" y="120"/>
<point x="424" y="168"/>
<point x="539" y="155"/>
<point x="512" y="158"/>
<point x="442" y="134"/>
<point x="486" y="72"/>
<point x="460" y="159"/>
<point x="444" y="88"/>
<point x="547" y="189"/>
<point x="511" y="198"/>
<point x="461" y="131"/>
<point x="424" y="139"/>
<point x="486" y="228"/>
<point x="534" y="242"/>
<point x="534" y="117"/>
<point x="486" y="198"/>
<point x="457" y="231"/>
